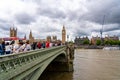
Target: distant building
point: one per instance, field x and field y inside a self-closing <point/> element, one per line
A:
<point x="54" y="38"/>
<point x="115" y="38"/>
<point x="40" y="40"/>
<point x="94" y="40"/>
<point x="1" y="39"/>
<point x="13" y="35"/>
<point x="80" y="41"/>
<point x="63" y="35"/>
<point x="51" y="39"/>
<point x="48" y="38"/>
<point x="31" y="38"/>
<point x="13" y="32"/>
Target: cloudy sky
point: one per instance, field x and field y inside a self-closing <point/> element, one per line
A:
<point x="47" y="17"/>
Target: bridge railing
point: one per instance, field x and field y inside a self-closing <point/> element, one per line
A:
<point x="14" y="64"/>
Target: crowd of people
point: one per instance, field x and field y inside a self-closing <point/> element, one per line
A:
<point x="20" y="46"/>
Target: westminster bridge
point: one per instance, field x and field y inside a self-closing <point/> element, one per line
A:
<point x="30" y="65"/>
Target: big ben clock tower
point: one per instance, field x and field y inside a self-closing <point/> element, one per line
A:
<point x="63" y="35"/>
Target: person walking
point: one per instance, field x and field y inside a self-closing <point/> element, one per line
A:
<point x="34" y="45"/>
<point x="18" y="47"/>
<point x="3" y="47"/>
<point x="27" y="46"/>
<point x="39" y="45"/>
<point x="47" y="44"/>
<point x="43" y="45"/>
<point x="8" y="48"/>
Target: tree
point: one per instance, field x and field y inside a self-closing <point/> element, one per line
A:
<point x="106" y="42"/>
<point x="119" y="42"/>
<point x="71" y="42"/>
<point x="111" y="42"/>
<point x="86" y="42"/>
<point x="98" y="42"/>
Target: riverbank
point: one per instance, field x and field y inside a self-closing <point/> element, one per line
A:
<point x="93" y="46"/>
<point x="89" y="47"/>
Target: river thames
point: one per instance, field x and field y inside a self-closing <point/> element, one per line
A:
<point x="90" y="64"/>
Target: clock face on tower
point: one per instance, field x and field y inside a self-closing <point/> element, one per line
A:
<point x="63" y="32"/>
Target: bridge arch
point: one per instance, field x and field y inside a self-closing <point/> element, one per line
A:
<point x="42" y="68"/>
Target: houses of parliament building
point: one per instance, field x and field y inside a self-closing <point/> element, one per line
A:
<point x="13" y="34"/>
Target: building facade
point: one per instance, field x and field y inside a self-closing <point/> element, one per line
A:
<point x="51" y="38"/>
<point x="31" y="38"/>
<point x="54" y="38"/>
<point x="63" y="35"/>
<point x="48" y="39"/>
<point x="81" y="41"/>
<point x="106" y="38"/>
<point x="94" y="40"/>
<point x="115" y="38"/>
<point x="13" y="32"/>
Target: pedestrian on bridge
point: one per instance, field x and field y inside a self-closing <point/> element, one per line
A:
<point x="3" y="48"/>
<point x="18" y="47"/>
<point x="8" y="48"/>
<point x="47" y="44"/>
<point x="39" y="45"/>
<point x="34" y="45"/>
<point x="26" y="46"/>
<point x="43" y="44"/>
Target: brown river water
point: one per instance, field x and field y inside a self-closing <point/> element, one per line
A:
<point x="90" y="64"/>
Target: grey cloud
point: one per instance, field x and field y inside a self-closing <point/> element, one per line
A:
<point x="112" y="33"/>
<point x="85" y="18"/>
<point x="3" y="21"/>
<point x="24" y="18"/>
<point x="108" y="28"/>
<point x="73" y="15"/>
<point x="50" y="9"/>
<point x="111" y="28"/>
<point x="114" y="15"/>
<point x="81" y="32"/>
<point x="48" y="29"/>
<point x="22" y="34"/>
<point x="98" y="10"/>
<point x="51" y="12"/>
<point x="4" y="29"/>
<point x="4" y="26"/>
